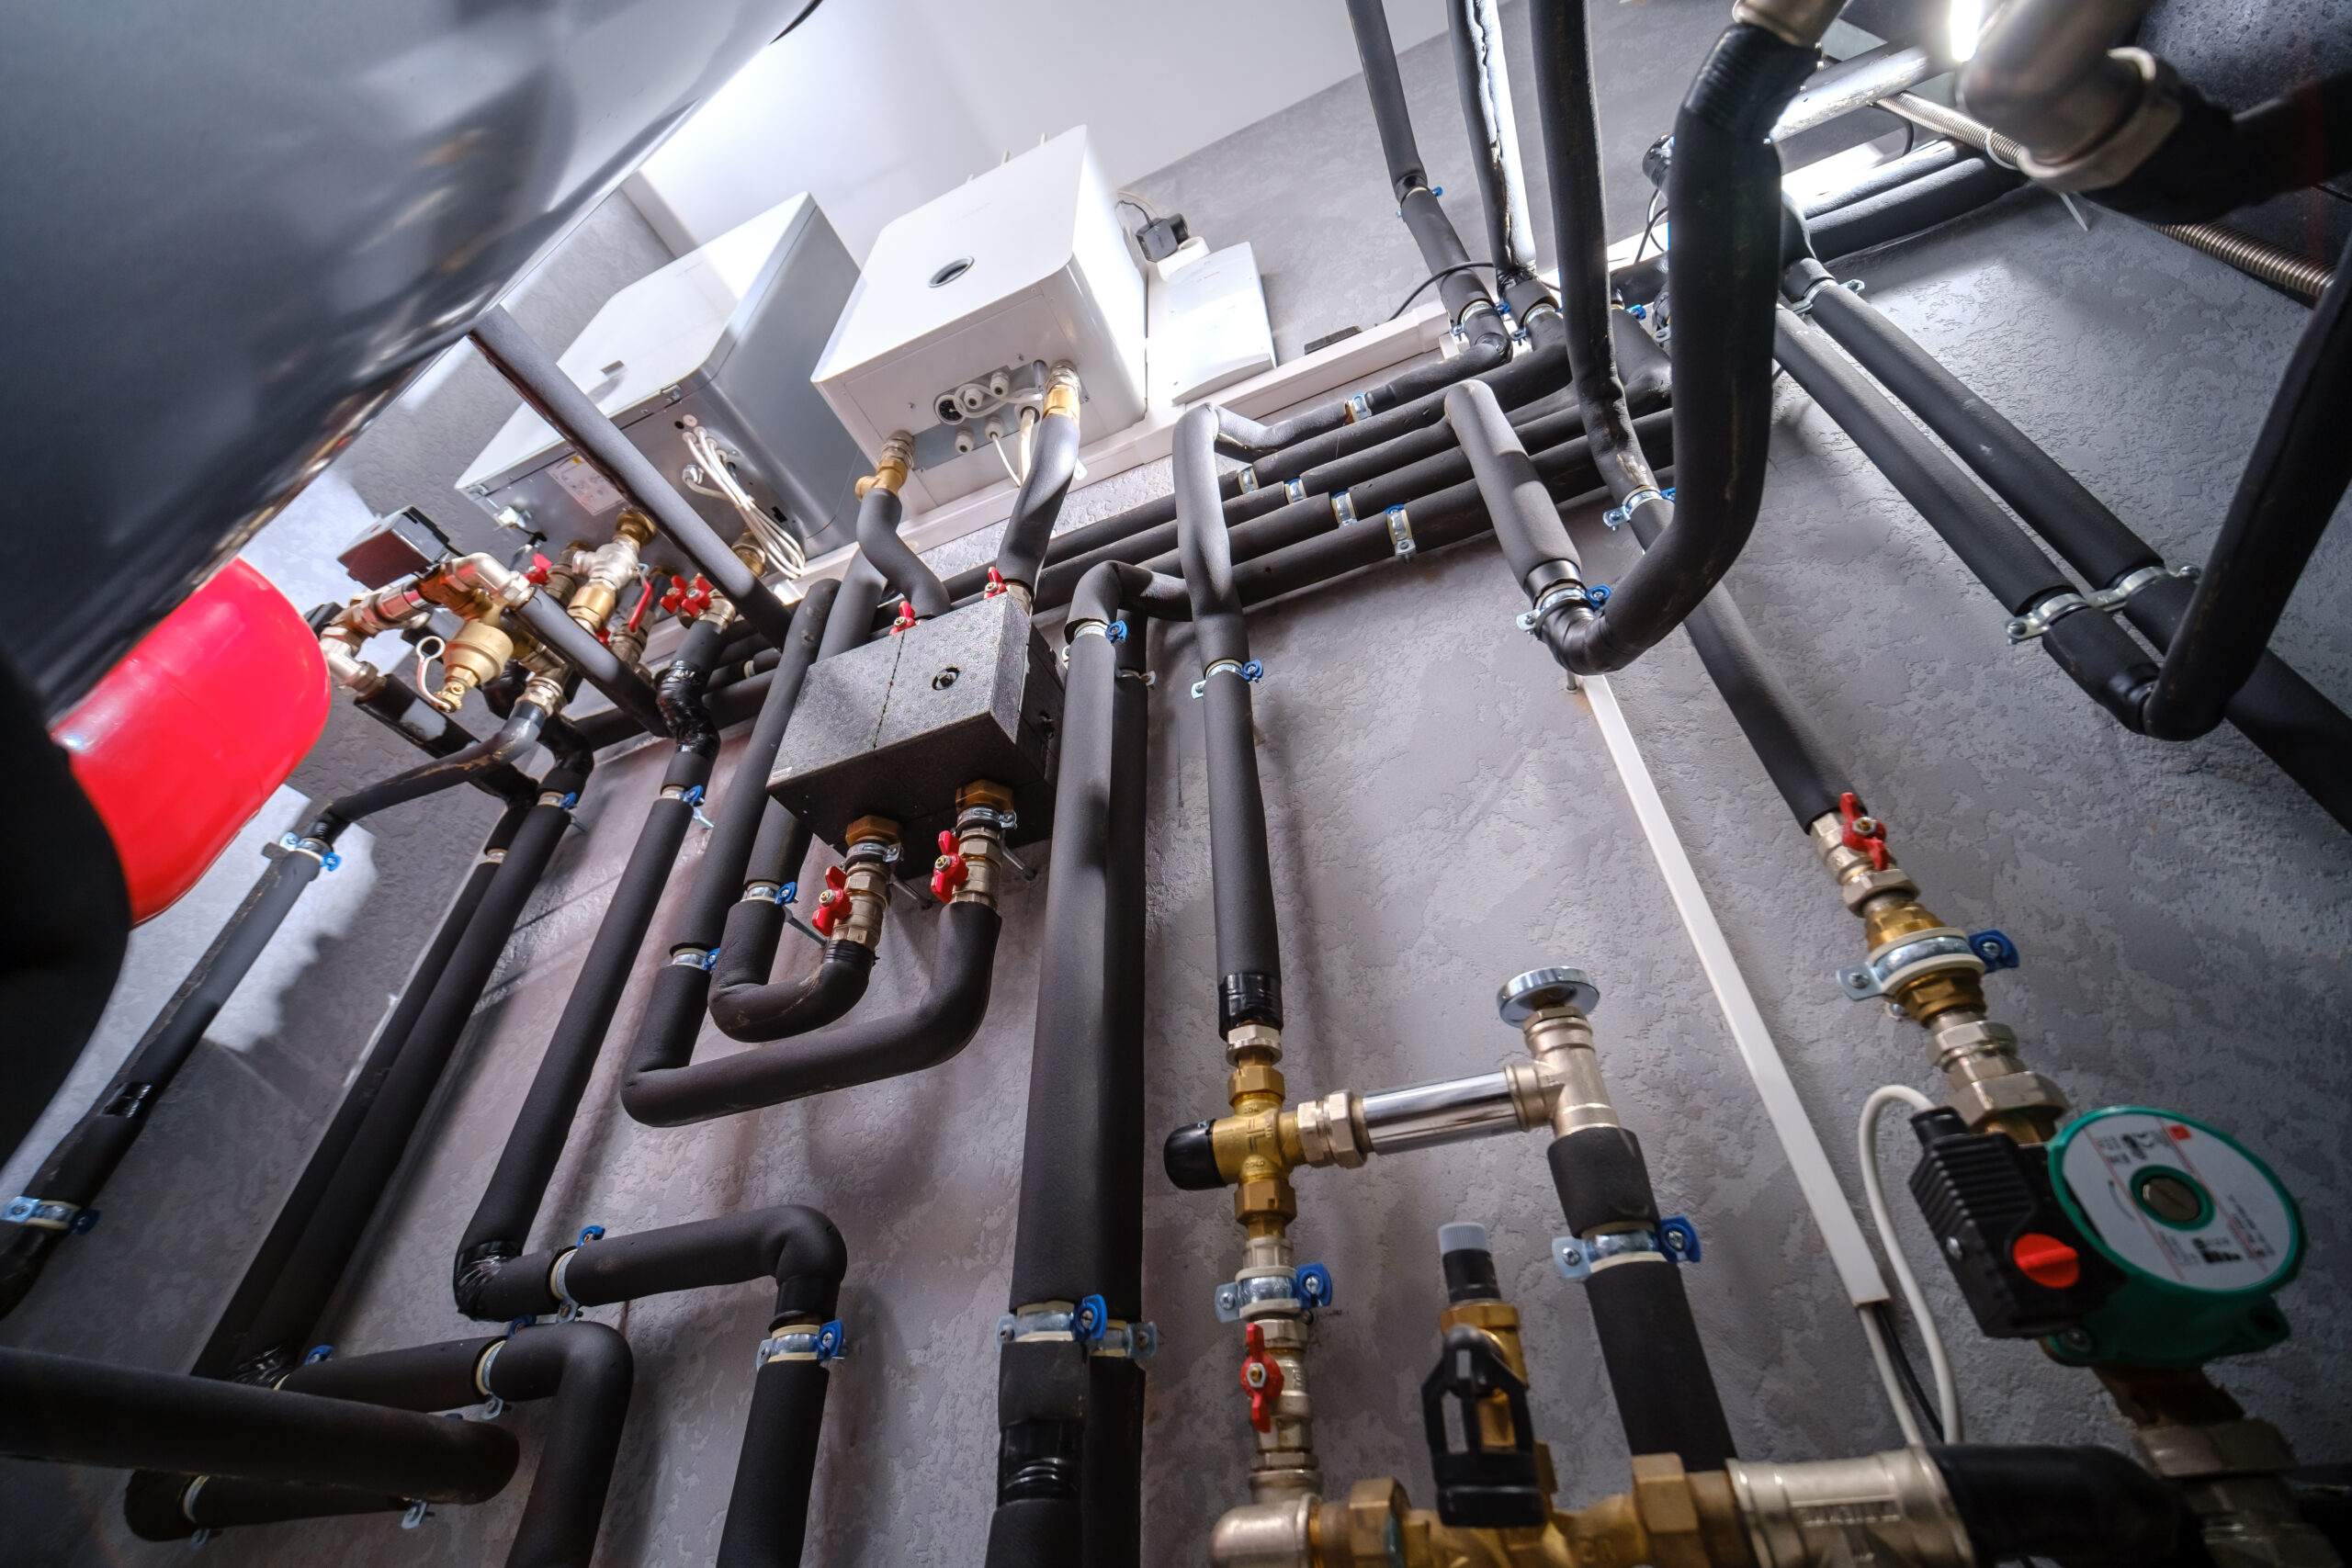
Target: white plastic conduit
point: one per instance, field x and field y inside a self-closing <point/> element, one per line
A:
<point x="1857" y="1269"/>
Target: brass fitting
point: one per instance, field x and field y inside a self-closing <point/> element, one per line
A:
<point x="475" y="585"/>
<point x="891" y="468"/>
<point x="1062" y="390"/>
<point x="873" y="845"/>
<point x="610" y="567"/>
<point x="476" y="654"/>
<point x="983" y="808"/>
<point x="1560" y="1042"/>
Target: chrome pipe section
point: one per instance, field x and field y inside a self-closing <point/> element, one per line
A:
<point x="2086" y="115"/>
<point x="1451" y="1111"/>
<point x="1855" y="84"/>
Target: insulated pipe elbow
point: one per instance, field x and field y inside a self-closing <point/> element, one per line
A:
<point x="1053" y="463"/>
<point x="667" y="1089"/>
<point x="1111" y="586"/>
<point x="518" y="735"/>
<point x="1725" y="190"/>
<point x="747" y="1007"/>
<point x="587" y="1369"/>
<point x="878" y="515"/>
<point x="795" y="1246"/>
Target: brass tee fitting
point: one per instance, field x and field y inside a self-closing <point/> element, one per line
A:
<point x="609" y="568"/>
<point x="891" y="468"/>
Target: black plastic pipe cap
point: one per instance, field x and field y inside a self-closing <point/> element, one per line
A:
<point x="1191" y="1159"/>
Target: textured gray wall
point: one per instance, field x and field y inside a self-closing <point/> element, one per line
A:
<point x="1442" y="814"/>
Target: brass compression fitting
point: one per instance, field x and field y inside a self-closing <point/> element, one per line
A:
<point x="891" y="468"/>
<point x="1928" y="972"/>
<point x="608" y="570"/>
<point x="857" y="892"/>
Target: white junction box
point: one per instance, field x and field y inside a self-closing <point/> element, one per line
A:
<point x="963" y="298"/>
<point x="716" y="346"/>
<point x="1208" y="326"/>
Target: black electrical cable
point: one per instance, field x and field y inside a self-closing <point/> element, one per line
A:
<point x="1423" y="286"/>
<point x="1928" y="1413"/>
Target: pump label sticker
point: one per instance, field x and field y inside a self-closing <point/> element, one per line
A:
<point x="592" y="489"/>
<point x="2178" y="1202"/>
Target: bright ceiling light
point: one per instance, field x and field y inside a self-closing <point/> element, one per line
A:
<point x="1967" y="21"/>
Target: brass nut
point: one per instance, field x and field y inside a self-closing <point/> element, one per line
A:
<point x="1330" y="1131"/>
<point x="633" y="525"/>
<point x="984" y="793"/>
<point x="1981" y="1099"/>
<point x="1976" y="1040"/>
<point x="1062" y="393"/>
<point x="593" y="605"/>
<point x="1264" y="1195"/>
<point x="1248" y="1037"/>
<point x="1669" y="1512"/>
<point x="1376" y="1510"/>
<point x="866" y="830"/>
<point x="1858" y="891"/>
<point x="1253" y="1078"/>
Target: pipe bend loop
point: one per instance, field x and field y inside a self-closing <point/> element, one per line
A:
<point x="1053" y="465"/>
<point x="1111" y="586"/>
<point x="746" y="1007"/>
<point x="878" y="516"/>
<point x="793" y="1244"/>
<point x="664" y="1088"/>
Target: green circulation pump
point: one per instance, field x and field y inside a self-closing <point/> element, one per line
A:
<point x="2202" y="1230"/>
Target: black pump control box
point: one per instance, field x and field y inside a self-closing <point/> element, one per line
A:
<point x="895" y="728"/>
<point x="2026" y="1269"/>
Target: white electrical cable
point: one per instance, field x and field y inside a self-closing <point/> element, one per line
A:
<point x="1800" y="1141"/>
<point x="1912" y="1436"/>
<point x="1874" y="1189"/>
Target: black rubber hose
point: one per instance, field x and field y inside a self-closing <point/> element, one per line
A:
<point x="878" y="516"/>
<point x="518" y="735"/>
<point x="1657" y="1365"/>
<point x="2098" y="655"/>
<point x="533" y="372"/>
<point x="1053" y="461"/>
<point x="767" y="1513"/>
<point x="1249" y="955"/>
<point x="598" y="664"/>
<point x="1725" y="191"/>
<point x="1482" y="82"/>
<point x="666" y="1087"/>
<point x="77" y="1169"/>
<point x="1433" y="233"/>
<point x="216" y="1359"/>
<point x="673" y="1011"/>
<point x="2293" y="479"/>
<point x="1914" y="207"/>
<point x="2214" y="162"/>
<point x="1572" y="156"/>
<point x="795" y="1246"/>
<point x="78" y="1412"/>
<point x="680" y="692"/>
<point x="2291" y="720"/>
<point x="502" y="1221"/>
<point x="2087" y="1507"/>
<point x="316" y="1263"/>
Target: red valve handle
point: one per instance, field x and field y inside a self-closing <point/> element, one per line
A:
<point x="836" y="878"/>
<point x="538" y="572"/>
<point x="1864" y="835"/>
<point x="996" y="584"/>
<point x="676" y="596"/>
<point x="1261" y="1380"/>
<point x="832" y="906"/>
<point x="951" y="870"/>
<point x="906" y="618"/>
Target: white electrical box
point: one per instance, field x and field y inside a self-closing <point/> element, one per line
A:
<point x="718" y="344"/>
<point x="1208" y="326"/>
<point x="962" y="300"/>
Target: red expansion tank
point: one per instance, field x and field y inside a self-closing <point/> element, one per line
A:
<point x="181" y="743"/>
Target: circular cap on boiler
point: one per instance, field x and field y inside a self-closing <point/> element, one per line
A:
<point x="1523" y="995"/>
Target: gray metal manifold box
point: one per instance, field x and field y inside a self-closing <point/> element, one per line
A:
<point x="893" y="728"/>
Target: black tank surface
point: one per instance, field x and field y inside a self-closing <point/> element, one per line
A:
<point x="231" y="233"/>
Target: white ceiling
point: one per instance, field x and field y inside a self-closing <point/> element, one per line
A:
<point x="877" y="105"/>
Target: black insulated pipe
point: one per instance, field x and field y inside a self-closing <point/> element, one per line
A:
<point x="1932" y="200"/>
<point x="1724" y="192"/>
<point x="1657" y="1365"/>
<point x="1432" y="230"/>
<point x="2308" y="735"/>
<point x="518" y="735"/>
<point x="598" y="664"/>
<point x="502" y="1221"/>
<point x="1482" y="79"/>
<point x="745" y="1002"/>
<point x="1249" y="955"/>
<point x="2097" y="654"/>
<point x="77" y="1412"/>
<point x="878" y="516"/>
<point x="77" y="1169"/>
<point x="1053" y="463"/>
<point x="2215" y="162"/>
<point x="2087" y="1507"/>
<point x="532" y="371"/>
<point x="215" y="1359"/>
<point x="584" y="1369"/>
<point x="665" y="1086"/>
<point x="1572" y="156"/>
<point x="316" y="1262"/>
<point x="2293" y="479"/>
<point x="673" y="1011"/>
